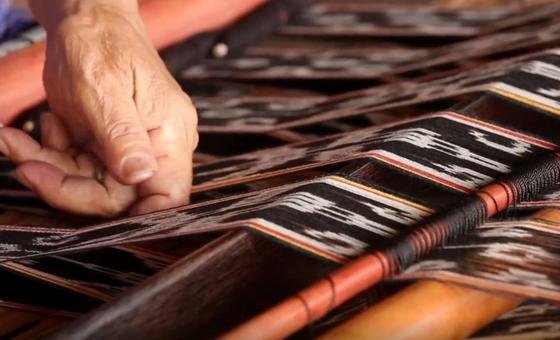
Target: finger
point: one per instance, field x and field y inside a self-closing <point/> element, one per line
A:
<point x="19" y="147"/>
<point x="167" y="188"/>
<point x="53" y="133"/>
<point x="170" y="186"/>
<point x="124" y="143"/>
<point x="76" y="194"/>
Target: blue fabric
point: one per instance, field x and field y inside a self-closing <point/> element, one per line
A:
<point x="12" y="20"/>
<point x="3" y="17"/>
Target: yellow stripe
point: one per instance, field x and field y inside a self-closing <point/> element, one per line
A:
<point x="278" y="235"/>
<point x="384" y="194"/>
<point x="524" y="100"/>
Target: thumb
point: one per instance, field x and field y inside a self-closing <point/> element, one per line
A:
<point x="124" y="144"/>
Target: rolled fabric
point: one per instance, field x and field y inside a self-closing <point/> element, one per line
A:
<point x="167" y="22"/>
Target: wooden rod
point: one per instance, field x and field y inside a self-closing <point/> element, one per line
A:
<point x="426" y="310"/>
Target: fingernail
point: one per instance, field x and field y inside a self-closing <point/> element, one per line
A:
<point x="138" y="167"/>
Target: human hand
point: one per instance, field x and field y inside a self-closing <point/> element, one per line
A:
<point x="112" y="100"/>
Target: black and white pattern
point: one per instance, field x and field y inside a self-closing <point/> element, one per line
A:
<point x="262" y="116"/>
<point x="531" y="320"/>
<point x="370" y="20"/>
<point x="500" y="255"/>
<point x="296" y="213"/>
<point x="526" y="37"/>
<point x="536" y="84"/>
<point x="238" y="113"/>
<point x="336" y="64"/>
<point x="456" y="150"/>
<point x="447" y="150"/>
<point x="365" y="67"/>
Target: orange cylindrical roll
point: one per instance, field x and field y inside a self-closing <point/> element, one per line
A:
<point x="167" y="22"/>
<point x="426" y="310"/>
<point x="20" y="81"/>
<point x="170" y="21"/>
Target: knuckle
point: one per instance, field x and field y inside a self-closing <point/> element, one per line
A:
<point x="122" y="129"/>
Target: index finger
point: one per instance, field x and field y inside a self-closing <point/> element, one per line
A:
<point x="76" y="194"/>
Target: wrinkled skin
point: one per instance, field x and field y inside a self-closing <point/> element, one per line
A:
<point x="121" y="133"/>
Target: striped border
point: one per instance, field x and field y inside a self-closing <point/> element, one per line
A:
<point x="314" y="247"/>
<point x="525" y="97"/>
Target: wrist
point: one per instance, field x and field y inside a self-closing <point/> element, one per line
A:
<point x="53" y="13"/>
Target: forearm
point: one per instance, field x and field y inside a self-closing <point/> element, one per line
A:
<point x="51" y="13"/>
